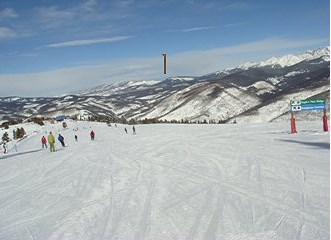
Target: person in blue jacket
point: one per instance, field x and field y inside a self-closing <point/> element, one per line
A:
<point x="61" y="140"/>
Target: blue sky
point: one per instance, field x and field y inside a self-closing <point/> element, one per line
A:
<point x="50" y="47"/>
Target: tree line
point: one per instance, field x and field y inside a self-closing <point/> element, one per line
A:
<point x="133" y="121"/>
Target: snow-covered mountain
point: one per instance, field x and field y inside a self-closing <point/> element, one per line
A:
<point x="290" y="59"/>
<point x="252" y="92"/>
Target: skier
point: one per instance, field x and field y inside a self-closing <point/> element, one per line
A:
<point x="134" y="130"/>
<point x="4" y="145"/>
<point x="92" y="134"/>
<point x="51" y="141"/>
<point x="126" y="131"/>
<point x="61" y="139"/>
<point x="44" y="142"/>
<point x="76" y="138"/>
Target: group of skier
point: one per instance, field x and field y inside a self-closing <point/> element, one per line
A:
<point x="51" y="140"/>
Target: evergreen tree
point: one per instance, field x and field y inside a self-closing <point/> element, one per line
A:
<point x="38" y="120"/>
<point x="23" y="131"/>
<point x="132" y="121"/>
<point x="5" y="137"/>
<point x="20" y="132"/>
<point x="123" y="120"/>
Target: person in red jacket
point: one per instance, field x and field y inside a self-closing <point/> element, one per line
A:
<point x="44" y="142"/>
<point x="92" y="134"/>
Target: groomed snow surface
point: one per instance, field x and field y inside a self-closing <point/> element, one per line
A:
<point x="229" y="182"/>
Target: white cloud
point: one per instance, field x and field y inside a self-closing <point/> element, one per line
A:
<point x="197" y="29"/>
<point x="187" y="63"/>
<point x="269" y="45"/>
<point x="233" y="24"/>
<point x="87" y="42"/>
<point x="126" y="3"/>
<point x="52" y="17"/>
<point x="193" y="29"/>
<point x="8" y="13"/>
<point x="67" y="80"/>
<point x="237" y="5"/>
<point x="6" y="33"/>
<point x="89" y="5"/>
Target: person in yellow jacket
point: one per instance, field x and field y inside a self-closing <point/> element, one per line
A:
<point x="51" y="141"/>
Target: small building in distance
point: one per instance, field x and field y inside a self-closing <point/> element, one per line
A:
<point x="61" y="118"/>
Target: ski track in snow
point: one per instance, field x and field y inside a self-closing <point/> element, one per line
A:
<point x="168" y="182"/>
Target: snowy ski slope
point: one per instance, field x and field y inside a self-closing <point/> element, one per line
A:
<point x="168" y="182"/>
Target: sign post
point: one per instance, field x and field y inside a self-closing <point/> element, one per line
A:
<point x="308" y="105"/>
<point x="293" y="125"/>
<point x="164" y="63"/>
<point x="325" y="122"/>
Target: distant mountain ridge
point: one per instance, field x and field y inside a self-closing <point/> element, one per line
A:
<point x="253" y="92"/>
<point x="290" y="59"/>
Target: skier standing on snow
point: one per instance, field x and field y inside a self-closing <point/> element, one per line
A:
<point x="134" y="130"/>
<point x="51" y="141"/>
<point x="44" y="142"/>
<point x="4" y="145"/>
<point x="76" y="138"/>
<point x="92" y="134"/>
<point x="61" y="139"/>
<point x="126" y="131"/>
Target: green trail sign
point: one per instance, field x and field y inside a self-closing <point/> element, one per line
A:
<point x="309" y="104"/>
<point x="313" y="101"/>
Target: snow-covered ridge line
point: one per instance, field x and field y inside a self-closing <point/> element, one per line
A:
<point x="287" y="60"/>
<point x="182" y="78"/>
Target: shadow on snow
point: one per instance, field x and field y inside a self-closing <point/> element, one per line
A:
<point x="9" y="155"/>
<point x="323" y="145"/>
